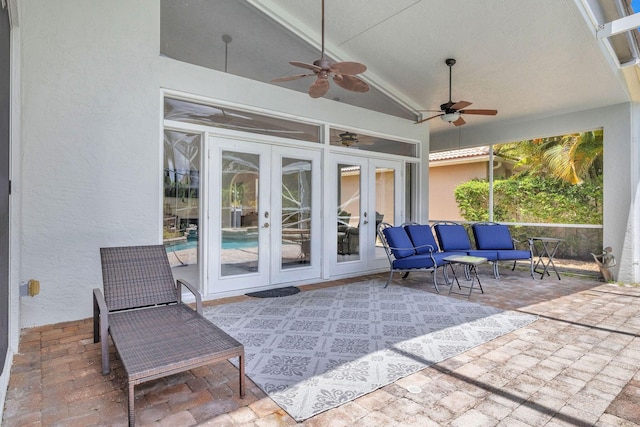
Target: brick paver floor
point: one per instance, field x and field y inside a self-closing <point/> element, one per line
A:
<point x="577" y="365"/>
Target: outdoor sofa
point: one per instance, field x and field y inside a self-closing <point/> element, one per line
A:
<point x="493" y="241"/>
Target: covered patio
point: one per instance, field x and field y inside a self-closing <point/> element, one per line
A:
<point x="82" y="133"/>
<point x="578" y="364"/>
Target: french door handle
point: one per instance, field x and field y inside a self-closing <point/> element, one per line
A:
<point x="266" y="225"/>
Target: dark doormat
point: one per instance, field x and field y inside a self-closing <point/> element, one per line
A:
<point x="273" y="293"/>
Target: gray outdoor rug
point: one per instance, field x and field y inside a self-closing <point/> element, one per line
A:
<point x="316" y="350"/>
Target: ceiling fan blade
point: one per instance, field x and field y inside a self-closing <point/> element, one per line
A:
<point x="348" y="68"/>
<point x="288" y="78"/>
<point x="319" y="88"/>
<point x="460" y="104"/>
<point x="351" y="83"/>
<point x="459" y="122"/>
<point x="430" y="111"/>
<point x="481" y="112"/>
<point x="429" y="118"/>
<point x="305" y="65"/>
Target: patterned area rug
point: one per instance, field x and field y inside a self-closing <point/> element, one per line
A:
<point x="319" y="349"/>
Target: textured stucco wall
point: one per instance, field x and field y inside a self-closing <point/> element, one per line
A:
<point x="90" y="144"/>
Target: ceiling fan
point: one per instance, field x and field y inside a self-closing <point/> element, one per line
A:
<point x="349" y="139"/>
<point x="343" y="73"/>
<point x="452" y="111"/>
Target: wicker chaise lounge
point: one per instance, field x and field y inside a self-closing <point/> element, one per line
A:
<point x="154" y="333"/>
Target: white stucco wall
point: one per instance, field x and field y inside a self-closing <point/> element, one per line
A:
<point x="90" y="152"/>
<point x="620" y="165"/>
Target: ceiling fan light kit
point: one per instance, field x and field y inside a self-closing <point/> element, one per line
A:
<point x="343" y="73"/>
<point x="450" y="117"/>
<point x="451" y="112"/>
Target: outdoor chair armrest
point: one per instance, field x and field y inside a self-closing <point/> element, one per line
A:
<point x="101" y="327"/>
<point x="193" y="290"/>
<point x="430" y="247"/>
<point x="529" y="242"/>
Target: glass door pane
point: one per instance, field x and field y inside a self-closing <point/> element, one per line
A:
<point x="385" y="203"/>
<point x="296" y="243"/>
<point x="239" y="208"/>
<point x="349" y="183"/>
<point x="296" y="213"/>
<point x="385" y="195"/>
<point x="181" y="202"/>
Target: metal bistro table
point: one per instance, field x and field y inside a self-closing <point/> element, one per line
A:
<point x="545" y="250"/>
<point x="468" y="261"/>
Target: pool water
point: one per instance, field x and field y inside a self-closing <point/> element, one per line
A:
<point x="226" y="244"/>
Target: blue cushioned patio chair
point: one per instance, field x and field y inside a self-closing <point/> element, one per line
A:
<point x="402" y="255"/>
<point x="494" y="236"/>
<point x="453" y="237"/>
<point x="423" y="239"/>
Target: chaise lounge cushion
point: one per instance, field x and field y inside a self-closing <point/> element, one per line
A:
<point x="399" y="242"/>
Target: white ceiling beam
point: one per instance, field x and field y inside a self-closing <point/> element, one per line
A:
<point x="618" y="26"/>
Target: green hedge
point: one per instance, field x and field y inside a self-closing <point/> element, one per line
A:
<point x="531" y="199"/>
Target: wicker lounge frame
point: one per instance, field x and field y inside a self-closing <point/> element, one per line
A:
<point x="153" y="331"/>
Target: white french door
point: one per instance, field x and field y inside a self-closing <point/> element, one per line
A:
<point x="367" y="192"/>
<point x="264" y="215"/>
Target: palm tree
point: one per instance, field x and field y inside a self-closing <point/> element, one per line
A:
<point x="572" y="158"/>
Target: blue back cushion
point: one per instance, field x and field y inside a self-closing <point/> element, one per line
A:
<point x="495" y="236"/>
<point x="399" y="242"/>
<point x="452" y="237"/>
<point x="422" y="238"/>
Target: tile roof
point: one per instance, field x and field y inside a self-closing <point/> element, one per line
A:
<point x="459" y="154"/>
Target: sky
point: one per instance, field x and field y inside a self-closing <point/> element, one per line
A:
<point x="635" y="5"/>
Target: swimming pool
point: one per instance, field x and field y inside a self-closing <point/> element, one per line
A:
<point x="226" y="244"/>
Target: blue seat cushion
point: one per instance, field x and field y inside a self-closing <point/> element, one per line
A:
<point x="422" y="238"/>
<point x="514" y="254"/>
<point x="415" y="261"/>
<point x="452" y="253"/>
<point x="399" y="242"/>
<point x="494" y="236"/>
<point x="489" y="255"/>
<point x="440" y="256"/>
<point x="452" y="237"/>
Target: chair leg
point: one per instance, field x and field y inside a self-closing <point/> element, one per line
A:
<point x="241" y="365"/>
<point x="132" y="398"/>
<point x="96" y="322"/>
<point x="446" y="275"/>
<point x="496" y="273"/>
<point x="104" y="345"/>
<point x="435" y="279"/>
<point x="532" y="269"/>
<point x="389" y="279"/>
<point x="514" y="265"/>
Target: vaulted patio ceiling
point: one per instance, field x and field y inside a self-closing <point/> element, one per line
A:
<point x="524" y="58"/>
